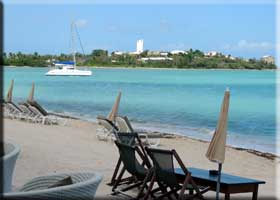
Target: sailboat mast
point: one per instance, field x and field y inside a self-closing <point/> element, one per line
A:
<point x="73" y="43"/>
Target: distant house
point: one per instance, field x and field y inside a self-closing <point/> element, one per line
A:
<point x="230" y="57"/>
<point x="157" y="53"/>
<point x="268" y="59"/>
<point x="155" y="59"/>
<point x="119" y="53"/>
<point x="175" y="52"/>
<point x="211" y="53"/>
<point x="134" y="53"/>
<point x="50" y="60"/>
<point x="153" y="53"/>
<point x="164" y="53"/>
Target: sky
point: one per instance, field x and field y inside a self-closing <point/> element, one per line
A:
<point x="242" y="30"/>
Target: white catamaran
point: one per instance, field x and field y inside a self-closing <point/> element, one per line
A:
<point x="68" y="68"/>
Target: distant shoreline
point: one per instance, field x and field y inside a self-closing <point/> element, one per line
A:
<point x="154" y="68"/>
<point x="191" y="69"/>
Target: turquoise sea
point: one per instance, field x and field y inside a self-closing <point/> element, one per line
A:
<point x="177" y="101"/>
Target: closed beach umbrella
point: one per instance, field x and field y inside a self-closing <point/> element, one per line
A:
<point x="217" y="146"/>
<point x="9" y="96"/>
<point x="31" y="94"/>
<point x="114" y="112"/>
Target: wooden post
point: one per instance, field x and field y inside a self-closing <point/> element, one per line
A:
<point x="218" y="181"/>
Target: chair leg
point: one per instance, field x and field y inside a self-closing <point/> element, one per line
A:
<point x="118" y="179"/>
<point x="148" y="176"/>
<point x="183" y="189"/>
<point x="150" y="187"/>
<point x="113" y="179"/>
<point x="198" y="193"/>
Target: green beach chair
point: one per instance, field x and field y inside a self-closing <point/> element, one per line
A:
<point x="164" y="175"/>
<point x="141" y="173"/>
<point x="131" y="139"/>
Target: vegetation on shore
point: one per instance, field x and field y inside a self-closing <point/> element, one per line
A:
<point x="191" y="59"/>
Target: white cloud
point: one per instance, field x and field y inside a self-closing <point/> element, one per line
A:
<point x="81" y="23"/>
<point x="247" y="45"/>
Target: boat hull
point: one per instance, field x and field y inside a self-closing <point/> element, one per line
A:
<point x="57" y="72"/>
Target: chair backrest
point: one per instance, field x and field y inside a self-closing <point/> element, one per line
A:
<point x="24" y="107"/>
<point x="14" y="107"/>
<point x="164" y="166"/>
<point x="127" y="138"/>
<point x="35" y="111"/>
<point x="124" y="124"/>
<point x="38" y="107"/>
<point x="129" y="160"/>
<point x="107" y="125"/>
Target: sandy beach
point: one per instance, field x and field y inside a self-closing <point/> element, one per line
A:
<point x="55" y="149"/>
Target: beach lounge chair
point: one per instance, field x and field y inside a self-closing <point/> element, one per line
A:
<point x="13" y="111"/>
<point x="38" y="107"/>
<point x="40" y="112"/>
<point x="46" y="119"/>
<point x="107" y="129"/>
<point x="83" y="187"/>
<point x="164" y="174"/>
<point x="12" y="107"/>
<point x="125" y="127"/>
<point x="31" y="116"/>
<point x="140" y="172"/>
<point x="25" y="108"/>
<point x="7" y="111"/>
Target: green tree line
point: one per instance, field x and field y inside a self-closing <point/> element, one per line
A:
<point x="193" y="59"/>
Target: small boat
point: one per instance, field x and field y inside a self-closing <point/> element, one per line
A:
<point x="67" y="68"/>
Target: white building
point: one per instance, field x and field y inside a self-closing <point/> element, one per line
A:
<point x="177" y="52"/>
<point x="119" y="53"/>
<point x="268" y="59"/>
<point x="164" y="53"/>
<point x="155" y="59"/>
<point x="140" y="46"/>
<point x="153" y="53"/>
<point x="211" y="53"/>
<point x="230" y="57"/>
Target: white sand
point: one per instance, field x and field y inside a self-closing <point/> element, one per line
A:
<point x="48" y="149"/>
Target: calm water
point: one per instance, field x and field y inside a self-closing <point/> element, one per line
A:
<point x="178" y="101"/>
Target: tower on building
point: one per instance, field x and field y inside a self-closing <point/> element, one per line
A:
<point x="140" y="46"/>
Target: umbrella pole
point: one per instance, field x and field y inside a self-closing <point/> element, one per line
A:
<point x="218" y="181"/>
